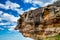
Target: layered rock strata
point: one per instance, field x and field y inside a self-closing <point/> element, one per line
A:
<point x="40" y="23"/>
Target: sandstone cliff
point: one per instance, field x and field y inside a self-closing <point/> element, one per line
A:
<point x="40" y="23"/>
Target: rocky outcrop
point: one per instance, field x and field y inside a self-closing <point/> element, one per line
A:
<point x="40" y="23"/>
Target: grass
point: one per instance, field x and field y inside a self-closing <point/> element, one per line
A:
<point x="53" y="38"/>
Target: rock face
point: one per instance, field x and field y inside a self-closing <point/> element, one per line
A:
<point x="40" y="23"/>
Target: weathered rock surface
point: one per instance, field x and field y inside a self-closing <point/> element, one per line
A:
<point x="40" y="23"/>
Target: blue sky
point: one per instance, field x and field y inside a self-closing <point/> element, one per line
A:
<point x="9" y="14"/>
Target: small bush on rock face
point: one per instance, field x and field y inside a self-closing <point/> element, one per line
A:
<point x="57" y="37"/>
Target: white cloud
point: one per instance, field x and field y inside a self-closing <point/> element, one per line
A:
<point x="0" y="19"/>
<point x="20" y="11"/>
<point x="39" y="2"/>
<point x="8" y="17"/>
<point x="2" y="5"/>
<point x="12" y="28"/>
<point x="13" y="6"/>
<point x="27" y="1"/>
<point x="1" y="29"/>
<point x="9" y="5"/>
<point x="32" y="8"/>
<point x="51" y="2"/>
<point x="34" y="2"/>
<point x="1" y="12"/>
<point x="11" y="19"/>
<point x="7" y="23"/>
<point x="0" y="15"/>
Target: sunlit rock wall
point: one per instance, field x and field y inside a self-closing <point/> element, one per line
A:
<point x="40" y="23"/>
